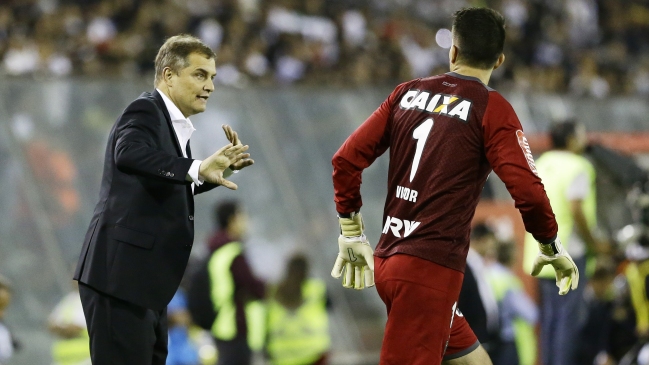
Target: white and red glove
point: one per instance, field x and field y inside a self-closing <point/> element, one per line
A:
<point x="566" y="272"/>
<point x="355" y="255"/>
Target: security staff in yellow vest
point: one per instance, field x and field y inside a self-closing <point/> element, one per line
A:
<point x="518" y="313"/>
<point x="239" y="327"/>
<point x="68" y="324"/>
<point x="569" y="180"/>
<point x="298" y="322"/>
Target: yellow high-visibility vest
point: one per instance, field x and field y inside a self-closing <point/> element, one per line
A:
<point x="557" y="170"/>
<point x="524" y="336"/>
<point x="301" y="336"/>
<point x="72" y="351"/>
<point x="636" y="275"/>
<point x="222" y="295"/>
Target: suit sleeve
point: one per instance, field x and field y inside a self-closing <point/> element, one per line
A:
<point x="508" y="153"/>
<point x="136" y="146"/>
<point x="358" y="152"/>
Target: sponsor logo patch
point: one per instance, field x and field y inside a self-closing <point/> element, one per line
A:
<point x="525" y="147"/>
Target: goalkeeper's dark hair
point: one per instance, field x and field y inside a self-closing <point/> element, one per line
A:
<point x="561" y="132"/>
<point x="224" y="211"/>
<point x="479" y="35"/>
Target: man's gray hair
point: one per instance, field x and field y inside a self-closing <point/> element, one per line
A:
<point x="174" y="53"/>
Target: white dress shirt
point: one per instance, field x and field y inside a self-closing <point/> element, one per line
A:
<point x="184" y="129"/>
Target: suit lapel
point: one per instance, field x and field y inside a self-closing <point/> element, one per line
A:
<point x="163" y="106"/>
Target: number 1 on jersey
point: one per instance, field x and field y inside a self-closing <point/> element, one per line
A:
<point x="421" y="135"/>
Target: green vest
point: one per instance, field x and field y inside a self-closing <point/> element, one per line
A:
<point x="301" y="336"/>
<point x="222" y="295"/>
<point x="524" y="336"/>
<point x="71" y="351"/>
<point x="636" y="275"/>
<point x="557" y="170"/>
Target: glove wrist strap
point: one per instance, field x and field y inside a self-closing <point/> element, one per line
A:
<point x="551" y="249"/>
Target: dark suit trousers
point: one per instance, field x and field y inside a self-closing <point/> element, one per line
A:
<point x="122" y="333"/>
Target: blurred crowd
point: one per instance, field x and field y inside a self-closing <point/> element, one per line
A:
<point x="587" y="47"/>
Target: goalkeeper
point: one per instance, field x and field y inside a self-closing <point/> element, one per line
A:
<point x="445" y="133"/>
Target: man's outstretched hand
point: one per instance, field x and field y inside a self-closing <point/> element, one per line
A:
<point x="233" y="137"/>
<point x="211" y="169"/>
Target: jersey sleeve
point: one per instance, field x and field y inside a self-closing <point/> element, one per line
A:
<point x="358" y="152"/>
<point x="510" y="157"/>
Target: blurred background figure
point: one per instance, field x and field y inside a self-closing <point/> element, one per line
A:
<point x="235" y="292"/>
<point x="68" y="324"/>
<point x="477" y="299"/>
<point x="569" y="180"/>
<point x="518" y="312"/>
<point x="596" y="320"/>
<point x="7" y="342"/>
<point x="298" y="322"/>
<point x="182" y="351"/>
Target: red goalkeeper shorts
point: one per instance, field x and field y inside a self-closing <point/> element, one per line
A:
<point x="424" y="325"/>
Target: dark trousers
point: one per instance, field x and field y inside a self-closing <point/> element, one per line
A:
<point x="559" y="319"/>
<point x="122" y="333"/>
<point x="235" y="352"/>
<point x="507" y="354"/>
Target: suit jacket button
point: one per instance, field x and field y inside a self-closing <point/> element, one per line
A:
<point x="191" y="217"/>
<point x="172" y="174"/>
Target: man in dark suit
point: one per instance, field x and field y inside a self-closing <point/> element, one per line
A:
<point x="141" y="234"/>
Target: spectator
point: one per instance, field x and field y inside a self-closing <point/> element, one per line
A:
<point x="68" y="324"/>
<point x="181" y="350"/>
<point x="7" y="342"/>
<point x="546" y="40"/>
<point x="518" y="313"/>
<point x="593" y="340"/>
<point x="569" y="180"/>
<point x="235" y="291"/>
<point x="298" y="323"/>
<point x="477" y="300"/>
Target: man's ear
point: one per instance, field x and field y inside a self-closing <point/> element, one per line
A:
<point x="453" y="53"/>
<point x="500" y="61"/>
<point x="167" y="76"/>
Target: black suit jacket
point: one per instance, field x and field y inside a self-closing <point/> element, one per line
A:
<point x="142" y="229"/>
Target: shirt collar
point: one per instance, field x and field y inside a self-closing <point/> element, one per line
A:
<point x="173" y="110"/>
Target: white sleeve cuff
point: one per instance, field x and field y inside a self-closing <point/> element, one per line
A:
<point x="193" y="172"/>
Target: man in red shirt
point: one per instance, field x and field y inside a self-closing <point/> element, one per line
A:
<point x="445" y="133"/>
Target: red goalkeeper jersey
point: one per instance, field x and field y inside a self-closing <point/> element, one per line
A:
<point x="445" y="133"/>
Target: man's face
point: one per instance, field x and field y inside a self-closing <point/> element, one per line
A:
<point x="191" y="87"/>
<point x="238" y="225"/>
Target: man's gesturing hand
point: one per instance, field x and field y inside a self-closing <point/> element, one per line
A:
<point x="355" y="255"/>
<point x="233" y="137"/>
<point x="566" y="272"/>
<point x="211" y="169"/>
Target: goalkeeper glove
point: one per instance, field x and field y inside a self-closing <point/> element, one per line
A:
<point x="566" y="272"/>
<point x="355" y="255"/>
